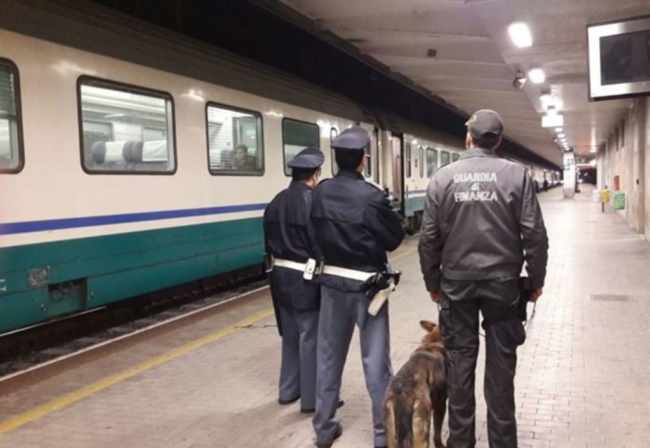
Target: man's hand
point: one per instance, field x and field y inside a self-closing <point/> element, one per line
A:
<point x="435" y="296"/>
<point x="535" y="294"/>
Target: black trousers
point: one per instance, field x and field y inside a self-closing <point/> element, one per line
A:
<point x="459" y="321"/>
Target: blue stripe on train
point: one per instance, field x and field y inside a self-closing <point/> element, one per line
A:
<point x="89" y="221"/>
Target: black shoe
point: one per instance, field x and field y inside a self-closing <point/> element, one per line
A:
<point x="312" y="410"/>
<point x="285" y="402"/>
<point x="329" y="443"/>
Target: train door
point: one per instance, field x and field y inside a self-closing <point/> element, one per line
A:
<point x="397" y="163"/>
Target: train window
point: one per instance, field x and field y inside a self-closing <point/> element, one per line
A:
<point x="407" y="159"/>
<point x="444" y="158"/>
<point x="367" y="170"/>
<point x="125" y="129"/>
<point x="11" y="156"/>
<point x="422" y="161"/>
<point x="455" y="156"/>
<point x="432" y="161"/>
<point x="235" y="141"/>
<point x="296" y="136"/>
<point x="333" y="134"/>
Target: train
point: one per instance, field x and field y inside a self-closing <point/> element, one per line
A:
<point x="131" y="162"/>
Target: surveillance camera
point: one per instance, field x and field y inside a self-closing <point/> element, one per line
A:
<point x="520" y="81"/>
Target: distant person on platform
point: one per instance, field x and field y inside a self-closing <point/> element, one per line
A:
<point x="604" y="198"/>
<point x="290" y="242"/>
<point x="481" y="222"/>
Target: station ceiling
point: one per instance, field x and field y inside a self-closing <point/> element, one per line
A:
<point x="460" y="51"/>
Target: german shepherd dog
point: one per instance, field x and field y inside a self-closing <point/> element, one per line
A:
<point x="417" y="391"/>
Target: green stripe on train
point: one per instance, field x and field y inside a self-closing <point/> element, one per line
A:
<point x="413" y="204"/>
<point x="106" y="269"/>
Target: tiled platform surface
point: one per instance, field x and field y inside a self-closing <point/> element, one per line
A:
<point x="583" y="377"/>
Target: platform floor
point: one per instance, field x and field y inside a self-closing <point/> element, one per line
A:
<point x="583" y="376"/>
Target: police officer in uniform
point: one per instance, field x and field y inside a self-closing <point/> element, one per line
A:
<point x="290" y="240"/>
<point x="354" y="226"/>
<point x="482" y="221"/>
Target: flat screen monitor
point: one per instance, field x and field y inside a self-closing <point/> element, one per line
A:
<point x="619" y="58"/>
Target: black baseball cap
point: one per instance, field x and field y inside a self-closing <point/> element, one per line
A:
<point x="483" y="122"/>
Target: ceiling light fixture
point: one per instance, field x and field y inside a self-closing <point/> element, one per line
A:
<point x="536" y="75"/>
<point x="552" y="120"/>
<point x="546" y="98"/>
<point x="520" y="80"/>
<point x="520" y="35"/>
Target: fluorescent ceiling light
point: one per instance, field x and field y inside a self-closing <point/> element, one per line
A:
<point x="558" y="130"/>
<point x="546" y="98"/>
<point x="562" y="135"/>
<point x="552" y="120"/>
<point x="520" y="35"/>
<point x="536" y="75"/>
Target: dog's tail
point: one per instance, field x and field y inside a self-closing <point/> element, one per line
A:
<point x="399" y="431"/>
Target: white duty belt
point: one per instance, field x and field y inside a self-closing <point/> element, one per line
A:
<point x="350" y="274"/>
<point x="289" y="264"/>
<point x="308" y="270"/>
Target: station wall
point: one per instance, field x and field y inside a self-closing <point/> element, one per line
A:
<point x="624" y="162"/>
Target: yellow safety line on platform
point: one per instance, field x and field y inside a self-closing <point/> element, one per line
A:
<point x="87" y="391"/>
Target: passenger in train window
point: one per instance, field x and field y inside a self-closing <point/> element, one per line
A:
<point x="482" y="222"/>
<point x="354" y="227"/>
<point x="235" y="142"/>
<point x="290" y="242"/>
<point x="241" y="160"/>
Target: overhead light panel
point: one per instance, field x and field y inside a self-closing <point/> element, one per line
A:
<point x="520" y="35"/>
<point x="558" y="130"/>
<point x="536" y="75"/>
<point x="552" y="120"/>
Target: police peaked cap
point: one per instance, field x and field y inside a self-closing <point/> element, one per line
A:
<point x="354" y="138"/>
<point x="308" y="158"/>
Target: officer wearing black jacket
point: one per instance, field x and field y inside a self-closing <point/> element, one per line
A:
<point x="482" y="221"/>
<point x="290" y="240"/>
<point x="354" y="227"/>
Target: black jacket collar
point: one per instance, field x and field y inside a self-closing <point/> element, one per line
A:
<point x="478" y="152"/>
<point x="350" y="174"/>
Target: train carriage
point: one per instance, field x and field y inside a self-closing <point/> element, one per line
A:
<point x="131" y="162"/>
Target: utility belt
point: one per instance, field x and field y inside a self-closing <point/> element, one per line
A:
<point x="378" y="286"/>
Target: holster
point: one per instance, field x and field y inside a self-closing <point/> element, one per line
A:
<point x="525" y="292"/>
<point x="519" y="307"/>
<point x="379" y="287"/>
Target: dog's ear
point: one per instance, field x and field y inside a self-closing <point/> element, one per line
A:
<point x="427" y="325"/>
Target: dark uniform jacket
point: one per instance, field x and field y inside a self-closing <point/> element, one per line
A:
<point x="289" y="235"/>
<point x="354" y="224"/>
<point x="481" y="221"/>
